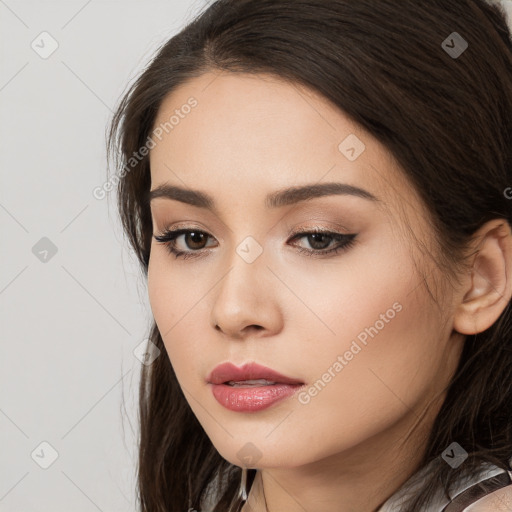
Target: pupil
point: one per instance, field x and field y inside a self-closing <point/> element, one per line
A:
<point x="320" y="235"/>
<point x="194" y="234"/>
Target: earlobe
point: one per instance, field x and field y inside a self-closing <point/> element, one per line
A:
<point x="488" y="287"/>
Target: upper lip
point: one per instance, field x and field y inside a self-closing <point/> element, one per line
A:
<point x="226" y="372"/>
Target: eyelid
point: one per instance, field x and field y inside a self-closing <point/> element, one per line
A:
<point x="185" y="225"/>
<point x="337" y="228"/>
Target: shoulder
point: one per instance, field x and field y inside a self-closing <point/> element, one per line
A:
<point x="497" y="501"/>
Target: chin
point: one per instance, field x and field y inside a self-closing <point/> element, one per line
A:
<point x="257" y="452"/>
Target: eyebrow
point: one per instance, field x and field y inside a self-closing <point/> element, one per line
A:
<point x="276" y="199"/>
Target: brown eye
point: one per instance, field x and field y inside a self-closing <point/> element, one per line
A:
<point x="195" y="239"/>
<point x="319" y="241"/>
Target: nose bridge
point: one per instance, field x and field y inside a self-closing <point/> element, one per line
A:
<point x="244" y="295"/>
<point x="247" y="272"/>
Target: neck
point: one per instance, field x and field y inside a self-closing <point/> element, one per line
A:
<point x="362" y="478"/>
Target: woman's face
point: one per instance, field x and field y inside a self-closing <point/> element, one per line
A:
<point x="357" y="327"/>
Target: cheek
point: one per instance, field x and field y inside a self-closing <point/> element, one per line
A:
<point x="376" y="384"/>
<point x="160" y="291"/>
<point x="166" y="298"/>
<point x="172" y="291"/>
<point x="176" y="303"/>
<point x="373" y="348"/>
<point x="362" y="297"/>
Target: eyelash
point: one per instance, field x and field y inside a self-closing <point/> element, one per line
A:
<point x="168" y="238"/>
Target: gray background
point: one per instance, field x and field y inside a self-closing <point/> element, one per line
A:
<point x="70" y="323"/>
<point x="70" y="319"/>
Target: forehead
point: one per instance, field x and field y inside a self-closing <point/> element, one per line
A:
<point x="251" y="134"/>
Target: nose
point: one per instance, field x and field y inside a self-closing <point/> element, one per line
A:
<point x="246" y="301"/>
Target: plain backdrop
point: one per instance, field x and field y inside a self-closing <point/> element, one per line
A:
<point x="73" y="305"/>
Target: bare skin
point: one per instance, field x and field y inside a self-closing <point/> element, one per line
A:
<point x="361" y="435"/>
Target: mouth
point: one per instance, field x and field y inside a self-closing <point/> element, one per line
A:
<point x="251" y="387"/>
<point x="248" y="375"/>
<point x="250" y="383"/>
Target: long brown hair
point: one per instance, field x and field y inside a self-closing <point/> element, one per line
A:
<point x="447" y="120"/>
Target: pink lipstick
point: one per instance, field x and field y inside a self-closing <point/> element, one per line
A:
<point x="250" y="388"/>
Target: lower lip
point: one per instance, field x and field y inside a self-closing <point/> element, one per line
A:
<point x="251" y="399"/>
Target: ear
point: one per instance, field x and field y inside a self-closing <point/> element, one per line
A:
<point x="488" y="287"/>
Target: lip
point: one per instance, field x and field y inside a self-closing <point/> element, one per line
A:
<point x="227" y="371"/>
<point x="254" y="398"/>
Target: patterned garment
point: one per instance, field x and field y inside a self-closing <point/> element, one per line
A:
<point x="468" y="492"/>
